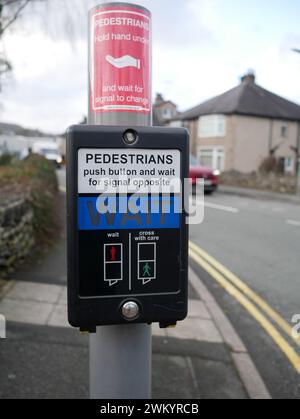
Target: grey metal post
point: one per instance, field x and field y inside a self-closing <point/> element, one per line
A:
<point x="120" y="356"/>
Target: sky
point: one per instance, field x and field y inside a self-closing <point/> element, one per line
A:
<point x="201" y="48"/>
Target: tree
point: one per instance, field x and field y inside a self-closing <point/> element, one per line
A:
<point x="10" y="11"/>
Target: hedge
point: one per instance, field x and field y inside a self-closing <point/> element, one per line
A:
<point x="34" y="179"/>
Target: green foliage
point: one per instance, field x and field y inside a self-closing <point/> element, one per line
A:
<point x="5" y="159"/>
<point x="35" y="179"/>
<point x="271" y="165"/>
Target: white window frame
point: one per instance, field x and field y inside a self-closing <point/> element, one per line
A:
<point x="286" y="127"/>
<point x="210" y="126"/>
<point x="167" y="113"/>
<point x="289" y="164"/>
<point x="217" y="152"/>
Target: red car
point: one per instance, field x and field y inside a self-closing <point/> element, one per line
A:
<point x="209" y="175"/>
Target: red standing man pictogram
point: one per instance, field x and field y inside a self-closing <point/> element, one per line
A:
<point x="113" y="253"/>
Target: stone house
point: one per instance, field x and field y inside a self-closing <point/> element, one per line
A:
<point x="240" y="128"/>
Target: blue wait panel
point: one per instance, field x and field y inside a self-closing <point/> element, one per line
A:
<point x="129" y="213"/>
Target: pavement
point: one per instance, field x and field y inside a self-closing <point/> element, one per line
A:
<point x="260" y="194"/>
<point x="43" y="357"/>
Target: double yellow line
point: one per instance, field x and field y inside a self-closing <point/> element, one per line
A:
<point x="251" y="301"/>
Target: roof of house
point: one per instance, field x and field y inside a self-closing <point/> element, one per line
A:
<point x="247" y="99"/>
<point x="166" y="102"/>
<point x="160" y="101"/>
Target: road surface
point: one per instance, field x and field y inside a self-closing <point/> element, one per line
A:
<point x="258" y="241"/>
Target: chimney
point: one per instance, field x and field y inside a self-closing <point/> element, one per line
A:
<point x="159" y="99"/>
<point x="249" y="77"/>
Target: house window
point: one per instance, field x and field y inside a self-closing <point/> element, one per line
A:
<point x="284" y="130"/>
<point x="212" y="157"/>
<point x="288" y="165"/>
<point x="212" y="126"/>
<point x="168" y="113"/>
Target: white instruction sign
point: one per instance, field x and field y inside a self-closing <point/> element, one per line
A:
<point x="128" y="171"/>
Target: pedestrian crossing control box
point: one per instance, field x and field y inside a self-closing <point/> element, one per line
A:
<point x="126" y="225"/>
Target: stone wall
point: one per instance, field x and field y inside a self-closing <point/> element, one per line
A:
<point x="271" y="182"/>
<point x="16" y="232"/>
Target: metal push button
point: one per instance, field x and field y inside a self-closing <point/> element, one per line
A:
<point x="130" y="310"/>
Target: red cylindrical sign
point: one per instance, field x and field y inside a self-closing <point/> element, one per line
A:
<point x="120" y="48"/>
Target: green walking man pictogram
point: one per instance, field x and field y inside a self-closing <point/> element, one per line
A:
<point x="147" y="270"/>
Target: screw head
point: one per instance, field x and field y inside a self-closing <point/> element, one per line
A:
<point x="130" y="310"/>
